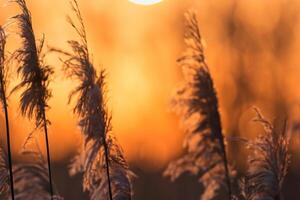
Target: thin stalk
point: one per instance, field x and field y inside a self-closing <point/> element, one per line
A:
<point x="225" y="161"/>
<point x="107" y="168"/>
<point x="8" y="139"/>
<point x="48" y="155"/>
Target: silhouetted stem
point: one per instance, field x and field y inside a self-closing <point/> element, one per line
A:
<point x="8" y="139"/>
<point x="48" y="155"/>
<point x="107" y="168"/>
<point x="225" y="161"/>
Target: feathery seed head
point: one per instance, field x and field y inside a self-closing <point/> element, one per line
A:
<point x="268" y="162"/>
<point x="31" y="178"/>
<point x="197" y="103"/>
<point x="34" y="72"/>
<point x="100" y="155"/>
<point x="3" y="69"/>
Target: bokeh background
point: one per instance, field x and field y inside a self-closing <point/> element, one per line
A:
<point x="252" y="48"/>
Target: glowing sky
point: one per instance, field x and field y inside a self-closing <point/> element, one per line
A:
<point x="145" y="2"/>
<point x="138" y="46"/>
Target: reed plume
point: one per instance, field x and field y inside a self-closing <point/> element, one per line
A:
<point x="267" y="164"/>
<point x="3" y="99"/>
<point x="4" y="176"/>
<point x="35" y="76"/>
<point x="31" y="178"/>
<point x="197" y="103"/>
<point x="105" y="172"/>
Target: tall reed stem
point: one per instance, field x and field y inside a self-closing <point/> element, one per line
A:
<point x="7" y="138"/>
<point x="48" y="154"/>
<point x="107" y="168"/>
<point x="225" y="161"/>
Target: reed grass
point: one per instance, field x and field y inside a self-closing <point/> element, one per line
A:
<point x="31" y="177"/>
<point x="35" y="75"/>
<point x="268" y="162"/>
<point x="3" y="98"/>
<point x="106" y="174"/>
<point x="197" y="104"/>
<point x="100" y="161"/>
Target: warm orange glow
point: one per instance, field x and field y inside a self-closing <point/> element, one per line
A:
<point x="248" y="43"/>
<point x="145" y="2"/>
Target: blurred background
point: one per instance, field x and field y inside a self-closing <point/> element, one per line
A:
<point x="252" y="48"/>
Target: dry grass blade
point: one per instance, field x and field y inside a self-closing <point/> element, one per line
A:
<point x="268" y="163"/>
<point x="35" y="76"/>
<point x="197" y="103"/>
<point x="105" y="171"/>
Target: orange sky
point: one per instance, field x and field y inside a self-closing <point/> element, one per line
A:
<point x="138" y="46"/>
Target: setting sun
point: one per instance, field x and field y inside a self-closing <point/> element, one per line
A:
<point x="145" y="2"/>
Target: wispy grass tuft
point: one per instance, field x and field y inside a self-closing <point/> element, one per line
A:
<point x="4" y="176"/>
<point x="31" y="178"/>
<point x="3" y="99"/>
<point x="196" y="102"/>
<point x="105" y="172"/>
<point x="267" y="163"/>
<point x="35" y="76"/>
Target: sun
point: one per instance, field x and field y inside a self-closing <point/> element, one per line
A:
<point x="145" y="2"/>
